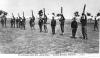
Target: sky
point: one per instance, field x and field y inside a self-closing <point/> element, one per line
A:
<point x="69" y="7"/>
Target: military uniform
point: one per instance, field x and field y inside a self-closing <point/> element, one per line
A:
<point x="95" y="24"/>
<point x="17" y="23"/>
<point x="74" y="27"/>
<point x="53" y="25"/>
<point x="24" y="23"/>
<point x="11" y="22"/>
<point x="32" y="23"/>
<point x="2" y="22"/>
<point x="62" y="20"/>
<point x="19" y="19"/>
<point x="84" y="26"/>
<point x="21" y="23"/>
<point x="45" y="23"/>
<point x="40" y="23"/>
<point x="14" y="22"/>
<point x="5" y="19"/>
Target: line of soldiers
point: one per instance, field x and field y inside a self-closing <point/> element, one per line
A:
<point x="21" y="22"/>
<point x="18" y="22"/>
<point x="3" y="21"/>
<point x="83" y="20"/>
<point x="43" y="21"/>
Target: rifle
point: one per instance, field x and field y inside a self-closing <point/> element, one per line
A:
<point x="44" y="10"/>
<point x="13" y="15"/>
<point x="18" y="15"/>
<point x="32" y="14"/>
<point x="61" y="10"/>
<point x="62" y="13"/>
<point x="84" y="8"/>
<point x="23" y="15"/>
<point x="44" y="13"/>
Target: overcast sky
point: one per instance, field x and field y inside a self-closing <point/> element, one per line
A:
<point x="69" y="6"/>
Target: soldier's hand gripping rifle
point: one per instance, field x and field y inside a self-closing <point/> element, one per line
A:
<point x="83" y="13"/>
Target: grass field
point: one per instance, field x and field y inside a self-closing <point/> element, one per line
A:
<point x="17" y="41"/>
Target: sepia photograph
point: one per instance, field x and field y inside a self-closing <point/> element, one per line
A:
<point x="49" y="27"/>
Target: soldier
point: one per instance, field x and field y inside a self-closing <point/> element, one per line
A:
<point x="53" y="25"/>
<point x="84" y="25"/>
<point x="17" y="22"/>
<point x="45" y="21"/>
<point x="23" y="22"/>
<point x="2" y="22"/>
<point x="19" y="19"/>
<point x="14" y="22"/>
<point x="62" y="20"/>
<point x="5" y="19"/>
<point x="32" y="21"/>
<point x="40" y="23"/>
<point x="74" y="27"/>
<point x="95" y="24"/>
<point x="11" y="22"/>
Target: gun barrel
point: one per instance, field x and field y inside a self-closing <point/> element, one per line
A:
<point x="32" y="14"/>
<point x="61" y="10"/>
<point x="23" y="13"/>
<point x="84" y="8"/>
<point x="44" y="10"/>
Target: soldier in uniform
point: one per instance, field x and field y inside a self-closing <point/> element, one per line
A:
<point x="23" y="22"/>
<point x="2" y="22"/>
<point x="62" y="20"/>
<point x="5" y="19"/>
<point x="12" y="22"/>
<point x="32" y="23"/>
<point x="17" y="22"/>
<point x="84" y="25"/>
<point x="53" y="25"/>
<point x="95" y="24"/>
<point x="45" y="23"/>
<point x="74" y="27"/>
<point x="40" y="23"/>
<point x="19" y="19"/>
